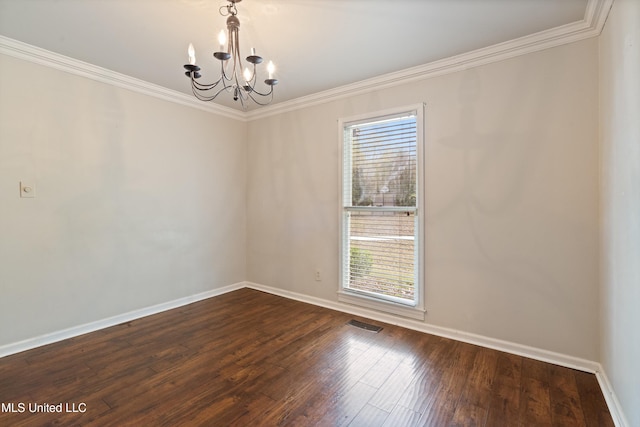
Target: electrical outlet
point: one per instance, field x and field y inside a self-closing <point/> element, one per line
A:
<point x="27" y="190"/>
<point x="318" y="276"/>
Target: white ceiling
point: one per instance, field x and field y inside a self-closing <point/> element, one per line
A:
<point x="316" y="44"/>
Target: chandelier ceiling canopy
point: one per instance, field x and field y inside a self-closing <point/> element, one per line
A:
<point x="236" y="78"/>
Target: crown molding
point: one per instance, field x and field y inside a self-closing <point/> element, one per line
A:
<point x="590" y="26"/>
<point x="27" y="52"/>
<point x="597" y="13"/>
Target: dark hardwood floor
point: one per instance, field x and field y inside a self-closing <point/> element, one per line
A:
<point x="248" y="358"/>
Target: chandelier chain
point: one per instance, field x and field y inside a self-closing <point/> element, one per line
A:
<point x="231" y="10"/>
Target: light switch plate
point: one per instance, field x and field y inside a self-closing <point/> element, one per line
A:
<point x="27" y="190"/>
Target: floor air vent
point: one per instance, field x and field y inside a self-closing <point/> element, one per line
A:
<point x="365" y="326"/>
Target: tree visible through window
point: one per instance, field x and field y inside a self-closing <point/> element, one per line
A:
<point x="380" y="228"/>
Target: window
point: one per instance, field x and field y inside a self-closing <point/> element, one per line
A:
<point x="381" y="211"/>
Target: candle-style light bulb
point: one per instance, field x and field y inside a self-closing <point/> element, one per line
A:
<point x="192" y="54"/>
<point x="247" y="75"/>
<point x="271" y="69"/>
<point x="253" y="51"/>
<point x="222" y="39"/>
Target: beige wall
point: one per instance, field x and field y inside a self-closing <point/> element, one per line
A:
<point x="620" y="135"/>
<point x="511" y="194"/>
<point x="139" y="201"/>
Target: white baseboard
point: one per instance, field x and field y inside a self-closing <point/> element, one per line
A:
<point x="509" y="347"/>
<point x="506" y="346"/>
<point x="75" y="331"/>
<point x="612" y="400"/>
<point x="496" y="344"/>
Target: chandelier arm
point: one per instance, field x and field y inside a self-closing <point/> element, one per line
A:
<point x="223" y="74"/>
<point x="242" y="104"/>
<point x="239" y="94"/>
<point x="237" y="59"/>
<point x="225" y="63"/>
<point x="204" y="86"/>
<point x="222" y="89"/>
<point x="201" y="97"/>
<point x="242" y="91"/>
<point x="270" y="93"/>
<point x="254" y="79"/>
<point x="260" y="103"/>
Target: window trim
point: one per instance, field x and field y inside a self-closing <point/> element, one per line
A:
<point x="361" y="298"/>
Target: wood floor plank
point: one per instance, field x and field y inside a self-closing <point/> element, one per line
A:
<point x="535" y="403"/>
<point x="421" y="392"/>
<point x="468" y="414"/>
<point x="473" y="406"/>
<point x="504" y="402"/>
<point x="390" y="392"/>
<point x="341" y="408"/>
<point x="566" y="409"/>
<point x="250" y="358"/>
<point x="401" y="416"/>
<point x="382" y="370"/>
<point x="445" y="399"/>
<point x="591" y="398"/>
<point x="504" y="405"/>
<point x="369" y="416"/>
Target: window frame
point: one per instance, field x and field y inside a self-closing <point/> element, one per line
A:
<point x="363" y="299"/>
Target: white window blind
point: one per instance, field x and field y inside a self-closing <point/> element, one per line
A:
<point x="380" y="230"/>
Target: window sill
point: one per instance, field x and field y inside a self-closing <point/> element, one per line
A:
<point x="381" y="305"/>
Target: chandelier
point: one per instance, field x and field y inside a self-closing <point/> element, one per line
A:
<point x="235" y="78"/>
